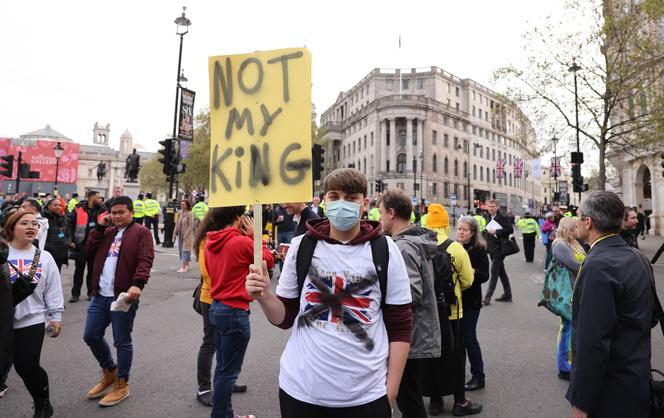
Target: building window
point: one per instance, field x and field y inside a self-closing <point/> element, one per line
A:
<point x="414" y="164"/>
<point x="456" y="190"/>
<point x="420" y="83"/>
<point x="365" y="166"/>
<point x="488" y="177"/>
<point x="445" y="166"/>
<point x="456" y="143"/>
<point x="446" y="139"/>
<point x="353" y="147"/>
<point x="434" y="189"/>
<point x="434" y="135"/>
<point x="401" y="163"/>
<point x="387" y="165"/>
<point x="493" y="153"/>
<point x="474" y="112"/>
<point x="365" y="142"/>
<point x="456" y="91"/>
<point x="389" y="84"/>
<point x="434" y="164"/>
<point x="510" y="177"/>
<point x="465" y="169"/>
<point x="457" y="107"/>
<point x="404" y="84"/>
<point x="387" y="134"/>
<point x="456" y="167"/>
<point x="445" y="121"/>
<point x="371" y="141"/>
<point x="494" y="176"/>
<point x="446" y="190"/>
<point x="481" y="174"/>
<point x="465" y="146"/>
<point x="402" y="137"/>
<point x="456" y="123"/>
<point x="475" y="172"/>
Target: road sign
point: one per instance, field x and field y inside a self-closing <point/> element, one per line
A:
<point x="453" y="197"/>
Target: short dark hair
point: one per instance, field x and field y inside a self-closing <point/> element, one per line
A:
<point x="346" y="180"/>
<point x="91" y="193"/>
<point x="627" y="211"/>
<point x="122" y="200"/>
<point x="74" y="195"/>
<point x="605" y="209"/>
<point x="34" y="203"/>
<point x="397" y="200"/>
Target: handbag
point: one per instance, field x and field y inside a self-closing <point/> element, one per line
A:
<point x="557" y="291"/>
<point x="508" y="246"/>
<point x="197" y="298"/>
<point x="23" y="287"/>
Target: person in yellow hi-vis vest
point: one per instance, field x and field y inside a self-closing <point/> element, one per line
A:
<point x="152" y="210"/>
<point x="139" y="209"/>
<point x="481" y="221"/>
<point x="374" y="212"/>
<point x="72" y="202"/>
<point x="199" y="210"/>
<point x="530" y="230"/>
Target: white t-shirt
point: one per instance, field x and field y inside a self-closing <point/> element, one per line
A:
<point x="107" y="279"/>
<point x="324" y="363"/>
<point x="46" y="301"/>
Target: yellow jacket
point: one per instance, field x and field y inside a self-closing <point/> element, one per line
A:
<point x="464" y="273"/>
<point x="205" y="289"/>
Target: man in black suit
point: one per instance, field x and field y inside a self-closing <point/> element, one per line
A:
<point x="316" y="207"/>
<point x="612" y="314"/>
<point x="494" y="237"/>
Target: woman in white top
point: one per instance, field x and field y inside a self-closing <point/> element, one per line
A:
<point x="31" y="314"/>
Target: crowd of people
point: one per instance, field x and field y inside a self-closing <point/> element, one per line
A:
<point x="372" y="282"/>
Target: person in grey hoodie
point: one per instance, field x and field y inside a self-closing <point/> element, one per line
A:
<point x="43" y="306"/>
<point x="418" y="247"/>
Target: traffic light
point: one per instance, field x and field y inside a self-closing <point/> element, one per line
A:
<point x="317" y="161"/>
<point x="168" y="154"/>
<point x="24" y="170"/>
<point x="7" y="165"/>
<point x="380" y="186"/>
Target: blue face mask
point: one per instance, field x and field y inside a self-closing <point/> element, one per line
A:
<point x="343" y="215"/>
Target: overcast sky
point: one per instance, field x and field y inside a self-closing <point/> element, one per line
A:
<point x="71" y="64"/>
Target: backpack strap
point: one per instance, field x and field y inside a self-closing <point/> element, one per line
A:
<point x="445" y="244"/>
<point x="305" y="253"/>
<point x="381" y="258"/>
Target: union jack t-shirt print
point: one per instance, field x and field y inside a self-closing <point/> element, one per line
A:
<point x="24" y="267"/>
<point x="114" y="250"/>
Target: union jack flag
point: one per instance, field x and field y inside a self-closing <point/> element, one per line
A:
<point x="500" y="169"/>
<point x="353" y="307"/>
<point x="555" y="167"/>
<point x="114" y="250"/>
<point x="518" y="168"/>
<point x="24" y="267"/>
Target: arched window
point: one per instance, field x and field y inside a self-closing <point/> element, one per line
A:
<point x="364" y="164"/>
<point x="488" y="177"/>
<point x="446" y="166"/>
<point x="402" y="137"/>
<point x="510" y="179"/>
<point x="494" y="176"/>
<point x="481" y="174"/>
<point x="401" y="163"/>
<point x="456" y="167"/>
<point x="465" y="169"/>
<point x="474" y="172"/>
<point x="434" y="164"/>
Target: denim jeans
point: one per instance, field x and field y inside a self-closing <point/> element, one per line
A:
<point x="99" y="318"/>
<point x="231" y="337"/>
<point x="470" y="318"/>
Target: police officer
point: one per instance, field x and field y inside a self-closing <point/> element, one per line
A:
<point x="152" y="215"/>
<point x="199" y="210"/>
<point x="481" y="220"/>
<point x="530" y="230"/>
<point x="374" y="212"/>
<point x="72" y="202"/>
<point x="139" y="209"/>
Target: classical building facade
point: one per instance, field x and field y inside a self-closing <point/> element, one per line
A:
<point x="436" y="136"/>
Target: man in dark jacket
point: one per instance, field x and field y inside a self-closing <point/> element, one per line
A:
<point x="628" y="231"/>
<point x="301" y="214"/>
<point x="612" y="315"/>
<point x="123" y="255"/>
<point x="82" y="220"/>
<point x="494" y="236"/>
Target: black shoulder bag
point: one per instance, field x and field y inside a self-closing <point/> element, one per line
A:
<point x="23" y="286"/>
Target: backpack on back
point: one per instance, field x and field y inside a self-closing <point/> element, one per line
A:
<point x="444" y="283"/>
<point x="379" y="253"/>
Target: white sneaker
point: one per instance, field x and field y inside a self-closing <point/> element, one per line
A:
<point x="245" y="416"/>
<point x="3" y="389"/>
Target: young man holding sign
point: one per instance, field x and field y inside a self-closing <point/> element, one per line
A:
<point x="351" y="310"/>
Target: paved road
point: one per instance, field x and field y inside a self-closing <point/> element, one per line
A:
<point x="518" y="342"/>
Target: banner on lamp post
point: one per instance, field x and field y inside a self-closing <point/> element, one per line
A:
<point x="186" y="125"/>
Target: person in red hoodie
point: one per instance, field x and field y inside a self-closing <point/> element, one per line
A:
<point x="228" y="254"/>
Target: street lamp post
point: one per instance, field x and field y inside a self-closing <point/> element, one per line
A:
<point x="183" y="24"/>
<point x="422" y="180"/>
<point x="58" y="150"/>
<point x="415" y="177"/>
<point x="574" y="68"/>
<point x="555" y="167"/>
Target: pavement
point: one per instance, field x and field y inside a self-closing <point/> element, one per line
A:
<point x="518" y="342"/>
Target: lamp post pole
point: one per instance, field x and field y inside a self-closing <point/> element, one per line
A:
<point x="555" y="164"/>
<point x="415" y="177"/>
<point x="422" y="181"/>
<point x="573" y="69"/>
<point x="58" y="150"/>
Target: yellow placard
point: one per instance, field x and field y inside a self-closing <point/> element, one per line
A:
<point x="260" y="117"/>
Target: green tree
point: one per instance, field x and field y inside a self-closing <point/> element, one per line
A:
<point x="197" y="174"/>
<point x="151" y="177"/>
<point x="620" y="82"/>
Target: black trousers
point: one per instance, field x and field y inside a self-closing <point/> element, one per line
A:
<point x="409" y="398"/>
<point x="138" y="221"/>
<point x="153" y="223"/>
<point x="292" y="408"/>
<point x="498" y="271"/>
<point x="81" y="263"/>
<point x="529" y="246"/>
<point x="206" y="351"/>
<point x="28" y="345"/>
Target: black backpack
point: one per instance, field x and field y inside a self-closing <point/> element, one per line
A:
<point x="444" y="284"/>
<point x="379" y="253"/>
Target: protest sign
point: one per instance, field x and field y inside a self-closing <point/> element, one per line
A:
<point x="260" y="118"/>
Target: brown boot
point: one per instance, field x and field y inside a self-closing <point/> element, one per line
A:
<point x="119" y="393"/>
<point x="106" y="381"/>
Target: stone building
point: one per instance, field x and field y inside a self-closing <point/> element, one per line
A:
<point x="436" y="136"/>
